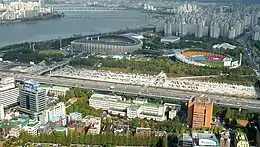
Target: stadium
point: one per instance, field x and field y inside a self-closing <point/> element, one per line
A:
<point x="107" y="44"/>
<point x="200" y="57"/>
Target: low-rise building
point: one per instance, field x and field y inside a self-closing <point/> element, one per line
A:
<point x="55" y="90"/>
<point x="61" y="130"/>
<point x="15" y="131"/>
<point x="171" y="39"/>
<point x="75" y="116"/>
<point x="204" y="139"/>
<point x="241" y="140"/>
<point x="93" y="123"/>
<point x="121" y="129"/>
<point x="32" y="127"/>
<point x="137" y="108"/>
<point x="143" y="131"/>
<point x="225" y="139"/>
<point x="185" y="140"/>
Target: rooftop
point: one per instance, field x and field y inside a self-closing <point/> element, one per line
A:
<point x="205" y="136"/>
<point x="32" y="123"/>
<point x="119" y="99"/>
<point x="241" y="136"/>
<point x="201" y="100"/>
<point x="32" y="82"/>
<point x="60" y="128"/>
<point x="171" y="37"/>
<point x="60" y="88"/>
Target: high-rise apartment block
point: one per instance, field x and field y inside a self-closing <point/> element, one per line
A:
<point x="32" y="98"/>
<point x="200" y="112"/>
<point x="212" y="21"/>
<point x="8" y="93"/>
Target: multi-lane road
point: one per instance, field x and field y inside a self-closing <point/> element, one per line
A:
<point x="142" y="91"/>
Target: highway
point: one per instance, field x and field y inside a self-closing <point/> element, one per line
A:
<point x="245" y="41"/>
<point x="142" y="91"/>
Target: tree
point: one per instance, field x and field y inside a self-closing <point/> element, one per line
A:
<point x="216" y="110"/>
<point x="228" y="113"/>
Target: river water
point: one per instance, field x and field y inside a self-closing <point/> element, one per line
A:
<point x="80" y="22"/>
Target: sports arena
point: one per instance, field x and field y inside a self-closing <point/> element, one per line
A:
<point x="202" y="57"/>
<point x="107" y="44"/>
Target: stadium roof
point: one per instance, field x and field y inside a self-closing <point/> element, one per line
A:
<point x="123" y="40"/>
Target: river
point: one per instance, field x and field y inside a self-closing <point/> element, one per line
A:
<point x="89" y="22"/>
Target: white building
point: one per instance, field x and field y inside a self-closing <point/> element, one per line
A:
<point x="75" y="116"/>
<point x="139" y="108"/>
<point x="108" y="102"/>
<point x="224" y="46"/>
<point x="8" y="93"/>
<point x="32" y="127"/>
<point x="171" y="39"/>
<point x="55" y="90"/>
<point x="2" y="112"/>
<point x="15" y="131"/>
<point x="54" y="113"/>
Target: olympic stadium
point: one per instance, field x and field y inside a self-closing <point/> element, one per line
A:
<point x="107" y="44"/>
<point x="201" y="57"/>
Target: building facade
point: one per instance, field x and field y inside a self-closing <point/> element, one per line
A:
<point x="54" y="113"/>
<point x="31" y="97"/>
<point x="241" y="140"/>
<point x="9" y="95"/>
<point x="200" y="112"/>
<point x="225" y="139"/>
<point x="32" y="127"/>
<point x="132" y="109"/>
<point x="106" y="44"/>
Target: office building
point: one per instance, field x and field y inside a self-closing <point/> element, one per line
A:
<point x="225" y="139"/>
<point x="200" y="112"/>
<point x="241" y="140"/>
<point x="32" y="98"/>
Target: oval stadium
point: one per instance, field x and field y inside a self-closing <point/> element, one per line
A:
<point x="107" y="44"/>
<point x="200" y="57"/>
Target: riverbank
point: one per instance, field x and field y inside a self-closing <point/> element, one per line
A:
<point x="41" y="17"/>
<point x="54" y="43"/>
